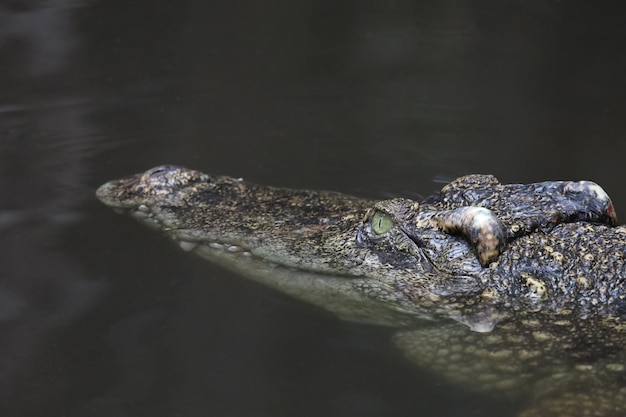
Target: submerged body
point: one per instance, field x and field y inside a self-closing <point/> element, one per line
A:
<point x="514" y="288"/>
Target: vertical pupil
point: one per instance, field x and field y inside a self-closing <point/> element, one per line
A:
<point x="381" y="223"/>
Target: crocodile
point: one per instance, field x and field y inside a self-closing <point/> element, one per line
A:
<point x="515" y="290"/>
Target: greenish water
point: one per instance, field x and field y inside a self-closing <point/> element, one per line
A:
<point x="100" y="317"/>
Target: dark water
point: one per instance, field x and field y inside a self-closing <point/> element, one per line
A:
<point x="99" y="317"/>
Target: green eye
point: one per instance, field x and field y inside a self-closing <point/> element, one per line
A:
<point x="381" y="222"/>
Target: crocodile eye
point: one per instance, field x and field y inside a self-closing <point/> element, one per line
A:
<point x="381" y="222"/>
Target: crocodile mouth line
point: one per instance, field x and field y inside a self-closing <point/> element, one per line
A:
<point x="147" y="216"/>
<point x="219" y="248"/>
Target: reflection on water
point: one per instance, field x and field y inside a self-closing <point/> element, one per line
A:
<point x="99" y="317"/>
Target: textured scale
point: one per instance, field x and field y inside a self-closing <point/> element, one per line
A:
<point x="515" y="290"/>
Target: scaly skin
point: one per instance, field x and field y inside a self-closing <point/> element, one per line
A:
<point x="535" y="273"/>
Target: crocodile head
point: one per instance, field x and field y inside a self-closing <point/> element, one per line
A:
<point x="363" y="260"/>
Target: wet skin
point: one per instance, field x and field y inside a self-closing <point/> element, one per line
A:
<point x="513" y="289"/>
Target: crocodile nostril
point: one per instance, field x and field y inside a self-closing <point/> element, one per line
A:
<point x="159" y="170"/>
